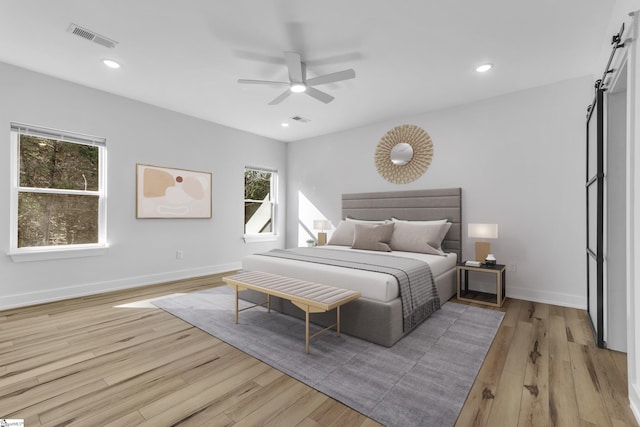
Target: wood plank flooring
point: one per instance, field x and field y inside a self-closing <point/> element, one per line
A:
<point x="84" y="362"/>
<point x="543" y="369"/>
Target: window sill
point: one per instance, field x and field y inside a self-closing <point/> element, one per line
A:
<point x="256" y="238"/>
<point x="27" y="255"/>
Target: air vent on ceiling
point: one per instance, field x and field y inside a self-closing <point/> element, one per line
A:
<point x="300" y="119"/>
<point x="91" y="36"/>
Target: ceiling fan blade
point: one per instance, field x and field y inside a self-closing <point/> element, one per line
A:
<point x="284" y="95"/>
<point x="263" y="82"/>
<point x="331" y="78"/>
<point x="294" y="63"/>
<point x="319" y="95"/>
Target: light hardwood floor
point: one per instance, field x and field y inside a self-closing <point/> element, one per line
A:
<point x="84" y="362"/>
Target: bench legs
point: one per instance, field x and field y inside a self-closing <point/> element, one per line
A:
<point x="307" y="310"/>
<point x="306" y="342"/>
<point x="238" y="289"/>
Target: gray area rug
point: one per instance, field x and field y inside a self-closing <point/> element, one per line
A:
<point x="423" y="380"/>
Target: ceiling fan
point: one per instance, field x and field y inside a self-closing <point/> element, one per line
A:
<point x="299" y="83"/>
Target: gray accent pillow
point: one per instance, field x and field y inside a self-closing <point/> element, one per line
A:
<point x="421" y="238"/>
<point x="373" y="237"/>
<point x="343" y="236"/>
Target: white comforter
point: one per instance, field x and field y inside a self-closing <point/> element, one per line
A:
<point x="372" y="285"/>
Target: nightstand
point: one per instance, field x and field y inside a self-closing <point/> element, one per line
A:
<point x="466" y="294"/>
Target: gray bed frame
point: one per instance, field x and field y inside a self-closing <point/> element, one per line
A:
<point x="376" y="321"/>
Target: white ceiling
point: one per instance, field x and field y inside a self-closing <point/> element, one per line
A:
<point x="410" y="56"/>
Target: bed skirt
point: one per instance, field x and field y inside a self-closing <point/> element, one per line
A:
<point x="371" y="320"/>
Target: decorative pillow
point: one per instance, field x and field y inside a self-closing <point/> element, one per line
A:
<point x="435" y="221"/>
<point x="373" y="237"/>
<point x="368" y="221"/>
<point x="421" y="238"/>
<point x="343" y="236"/>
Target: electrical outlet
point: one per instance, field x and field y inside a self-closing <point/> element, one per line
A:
<point x="512" y="268"/>
<point x="179" y="254"/>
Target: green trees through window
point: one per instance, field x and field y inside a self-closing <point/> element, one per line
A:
<point x="48" y="163"/>
<point x="58" y="192"/>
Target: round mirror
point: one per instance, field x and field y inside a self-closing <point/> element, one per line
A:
<point x="404" y="154"/>
<point x="401" y="154"/>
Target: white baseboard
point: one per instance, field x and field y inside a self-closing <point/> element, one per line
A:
<point x="546" y="297"/>
<point x="32" y="298"/>
<point x="634" y="400"/>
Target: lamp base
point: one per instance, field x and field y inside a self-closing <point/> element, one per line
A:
<point x="482" y="250"/>
<point x="322" y="239"/>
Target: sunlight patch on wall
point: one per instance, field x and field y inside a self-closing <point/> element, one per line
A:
<point x="307" y="212"/>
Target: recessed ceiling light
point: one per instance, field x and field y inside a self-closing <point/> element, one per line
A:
<point x="298" y="87"/>
<point x="284" y="125"/>
<point x="110" y="63"/>
<point x="484" y="68"/>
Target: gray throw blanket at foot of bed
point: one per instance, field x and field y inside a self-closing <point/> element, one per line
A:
<point x="418" y="292"/>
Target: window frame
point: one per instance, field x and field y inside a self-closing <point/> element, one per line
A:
<point x="273" y="199"/>
<point x="39" y="253"/>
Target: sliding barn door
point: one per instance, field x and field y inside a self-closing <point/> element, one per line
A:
<point x="595" y="215"/>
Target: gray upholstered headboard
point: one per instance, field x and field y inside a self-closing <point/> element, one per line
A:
<point x="412" y="205"/>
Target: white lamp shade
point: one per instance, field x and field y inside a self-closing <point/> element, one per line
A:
<point x="483" y="231"/>
<point x="321" y="224"/>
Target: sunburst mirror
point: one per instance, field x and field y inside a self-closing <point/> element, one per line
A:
<point x="404" y="154"/>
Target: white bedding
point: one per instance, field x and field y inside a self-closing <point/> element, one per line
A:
<point x="376" y="286"/>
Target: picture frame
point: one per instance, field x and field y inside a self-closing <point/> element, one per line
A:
<point x="164" y="192"/>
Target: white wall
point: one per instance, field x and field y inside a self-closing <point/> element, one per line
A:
<point x="141" y="251"/>
<point x="519" y="160"/>
<point x="615" y="252"/>
<point x="633" y="214"/>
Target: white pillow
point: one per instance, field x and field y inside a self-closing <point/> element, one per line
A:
<point x="345" y="231"/>
<point x="343" y="236"/>
<point x="435" y="221"/>
<point x="368" y="221"/>
<point x="421" y="238"/>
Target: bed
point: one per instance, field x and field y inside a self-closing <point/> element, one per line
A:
<point x="378" y="315"/>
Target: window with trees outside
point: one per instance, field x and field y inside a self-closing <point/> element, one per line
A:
<point x="259" y="201"/>
<point x="58" y="198"/>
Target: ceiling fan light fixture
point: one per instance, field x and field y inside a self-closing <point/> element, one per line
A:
<point x="484" y="68"/>
<point x="111" y="63"/>
<point x="298" y="87"/>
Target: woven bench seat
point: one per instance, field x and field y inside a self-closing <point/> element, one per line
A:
<point x="308" y="296"/>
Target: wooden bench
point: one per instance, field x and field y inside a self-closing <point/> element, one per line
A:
<point x="308" y="296"/>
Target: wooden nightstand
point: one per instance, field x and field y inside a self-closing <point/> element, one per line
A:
<point x="466" y="294"/>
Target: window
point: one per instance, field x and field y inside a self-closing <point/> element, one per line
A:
<point x="58" y="197"/>
<point x="260" y="201"/>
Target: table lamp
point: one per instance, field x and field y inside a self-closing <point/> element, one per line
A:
<point x="321" y="224"/>
<point x="483" y="231"/>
